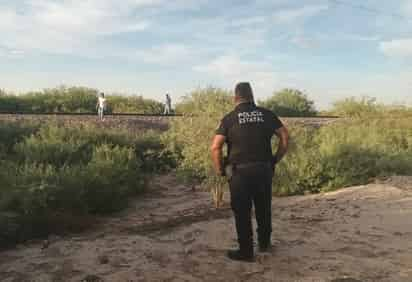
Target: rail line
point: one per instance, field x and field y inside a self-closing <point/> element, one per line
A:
<point x="138" y="121"/>
<point x="139" y="115"/>
<point x="87" y="114"/>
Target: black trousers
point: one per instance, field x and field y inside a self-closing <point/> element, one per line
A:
<point x="248" y="186"/>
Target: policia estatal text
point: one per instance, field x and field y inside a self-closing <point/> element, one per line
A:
<point x="248" y="131"/>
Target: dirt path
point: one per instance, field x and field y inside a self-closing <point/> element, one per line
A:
<point x="173" y="234"/>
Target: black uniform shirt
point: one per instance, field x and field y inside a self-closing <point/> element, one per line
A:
<point x="248" y="131"/>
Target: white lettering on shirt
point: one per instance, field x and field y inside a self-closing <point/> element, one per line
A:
<point x="251" y="117"/>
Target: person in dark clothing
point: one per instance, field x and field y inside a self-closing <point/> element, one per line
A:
<point x="248" y="131"/>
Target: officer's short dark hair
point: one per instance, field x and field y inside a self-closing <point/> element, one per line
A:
<point x="244" y="91"/>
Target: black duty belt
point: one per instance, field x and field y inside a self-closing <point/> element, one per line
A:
<point x="251" y="164"/>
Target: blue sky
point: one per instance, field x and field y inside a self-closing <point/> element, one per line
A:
<point x="327" y="48"/>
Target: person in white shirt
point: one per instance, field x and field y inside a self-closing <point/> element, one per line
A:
<point x="101" y="106"/>
<point x="168" y="105"/>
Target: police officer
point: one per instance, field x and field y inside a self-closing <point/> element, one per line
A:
<point x="248" y="131"/>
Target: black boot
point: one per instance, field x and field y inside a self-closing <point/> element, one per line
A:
<point x="237" y="255"/>
<point x="265" y="248"/>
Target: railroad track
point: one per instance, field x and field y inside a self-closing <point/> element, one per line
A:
<point x="136" y="115"/>
<point x="136" y="121"/>
<point x="86" y="114"/>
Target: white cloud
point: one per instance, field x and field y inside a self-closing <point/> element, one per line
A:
<point x="229" y="69"/>
<point x="7" y="18"/>
<point x="407" y="8"/>
<point x="67" y="26"/>
<point x="246" y="22"/>
<point x="324" y="88"/>
<point x="287" y="16"/>
<point x="397" y="47"/>
<point x="78" y="27"/>
<point x="321" y="40"/>
<point x="166" y="54"/>
<point x="10" y="53"/>
<point x="348" y="37"/>
<point x="225" y="35"/>
<point x="231" y="66"/>
<point x="305" y="42"/>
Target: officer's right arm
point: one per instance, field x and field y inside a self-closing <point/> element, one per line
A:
<point x="217" y="147"/>
<point x="216" y="150"/>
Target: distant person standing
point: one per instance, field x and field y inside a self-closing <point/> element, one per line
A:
<point x="101" y="106"/>
<point x="168" y="105"/>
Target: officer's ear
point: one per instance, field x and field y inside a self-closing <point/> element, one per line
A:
<point x="236" y="99"/>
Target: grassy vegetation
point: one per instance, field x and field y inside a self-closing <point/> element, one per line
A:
<point x="344" y="154"/>
<point x="75" y="100"/>
<point x="368" y="107"/>
<point x="53" y="177"/>
<point x="190" y="138"/>
<point x="290" y="103"/>
<point x="341" y="154"/>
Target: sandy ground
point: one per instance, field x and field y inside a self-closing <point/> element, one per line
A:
<point x="173" y="234"/>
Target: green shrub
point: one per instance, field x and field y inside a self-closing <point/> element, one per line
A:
<point x="133" y="104"/>
<point x="365" y="107"/>
<point x="344" y="153"/>
<point x="75" y="100"/>
<point x="190" y="138"/>
<point x="356" y="107"/>
<point x="54" y="145"/>
<point x="112" y="174"/>
<point x="54" y="171"/>
<point x="12" y="133"/>
<point x="300" y="169"/>
<point x="290" y="103"/>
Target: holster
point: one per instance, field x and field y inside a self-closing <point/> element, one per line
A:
<point x="229" y="168"/>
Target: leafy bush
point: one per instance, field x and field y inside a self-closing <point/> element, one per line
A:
<point x="368" y="107"/>
<point x="12" y="133"/>
<point x="190" y="138"/>
<point x="61" y="99"/>
<point x="54" y="146"/>
<point x="113" y="173"/>
<point x="290" y="103"/>
<point x="75" y="100"/>
<point x="344" y="153"/>
<point x="133" y="104"/>
<point x="55" y="171"/>
<point x="356" y="107"/>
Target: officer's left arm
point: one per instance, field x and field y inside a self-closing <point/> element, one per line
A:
<point x="216" y="150"/>
<point x="283" y="135"/>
